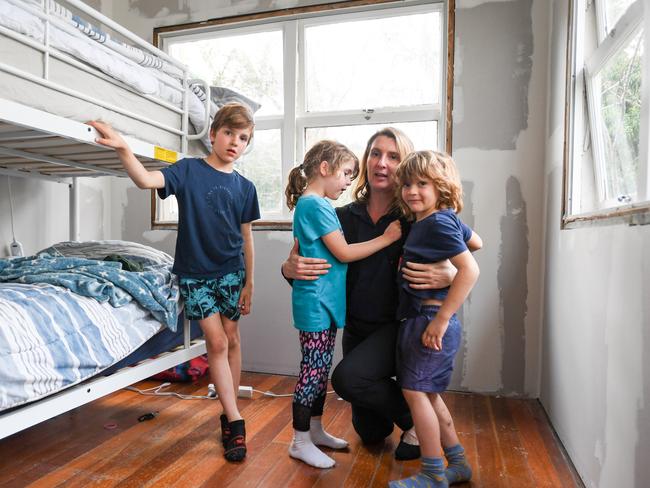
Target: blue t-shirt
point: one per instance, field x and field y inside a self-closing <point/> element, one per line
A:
<point x="318" y="304"/>
<point x="212" y="205"/>
<point x="435" y="238"/>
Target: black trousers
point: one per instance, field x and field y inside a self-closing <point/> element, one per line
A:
<point x="365" y="378"/>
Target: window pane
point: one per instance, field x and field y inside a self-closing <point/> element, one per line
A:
<point x="620" y="107"/>
<point x="250" y="64"/>
<point x="166" y="210"/>
<point x="263" y="166"/>
<point x="613" y="11"/>
<point x="423" y="134"/>
<point x="374" y="63"/>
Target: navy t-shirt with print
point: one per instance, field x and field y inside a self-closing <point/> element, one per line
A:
<point x="212" y="205"/>
<point x="435" y="238"/>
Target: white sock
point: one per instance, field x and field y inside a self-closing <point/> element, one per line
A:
<point x="322" y="438"/>
<point x="304" y="449"/>
<point x="410" y="437"/>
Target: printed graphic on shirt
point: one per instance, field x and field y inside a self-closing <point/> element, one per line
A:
<point x="220" y="200"/>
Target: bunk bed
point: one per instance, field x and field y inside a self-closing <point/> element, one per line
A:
<point x="50" y="84"/>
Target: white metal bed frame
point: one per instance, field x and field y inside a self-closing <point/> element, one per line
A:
<point x="37" y="144"/>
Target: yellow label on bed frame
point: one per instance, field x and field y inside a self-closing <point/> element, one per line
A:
<point x="163" y="154"/>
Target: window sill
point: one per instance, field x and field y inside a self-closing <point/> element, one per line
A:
<point x="632" y="214"/>
<point x="281" y="225"/>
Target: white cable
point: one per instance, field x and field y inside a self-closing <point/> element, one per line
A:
<point x="11" y="208"/>
<point x="155" y="391"/>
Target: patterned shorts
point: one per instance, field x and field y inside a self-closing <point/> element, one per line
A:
<point x="207" y="297"/>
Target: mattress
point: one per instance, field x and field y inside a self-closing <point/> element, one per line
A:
<point x="52" y="338"/>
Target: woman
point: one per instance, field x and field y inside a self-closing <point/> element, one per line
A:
<point x="365" y="375"/>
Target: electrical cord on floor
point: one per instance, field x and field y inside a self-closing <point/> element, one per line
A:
<point x="155" y="391"/>
<point x="212" y="392"/>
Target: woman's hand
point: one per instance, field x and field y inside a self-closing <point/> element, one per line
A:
<point x="429" y="276"/>
<point x="297" y="267"/>
<point x="394" y="231"/>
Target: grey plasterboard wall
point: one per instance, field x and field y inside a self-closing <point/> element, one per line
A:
<point x="501" y="54"/>
<point x="596" y="342"/>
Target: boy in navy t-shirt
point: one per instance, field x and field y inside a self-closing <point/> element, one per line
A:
<point x="214" y="247"/>
<point x="429" y="332"/>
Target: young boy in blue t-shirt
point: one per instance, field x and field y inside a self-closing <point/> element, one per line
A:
<point x="429" y="332"/>
<point x="214" y="247"/>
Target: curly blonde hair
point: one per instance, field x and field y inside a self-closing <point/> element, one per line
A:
<point x="440" y="169"/>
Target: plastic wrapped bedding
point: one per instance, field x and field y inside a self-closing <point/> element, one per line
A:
<point x="100" y="249"/>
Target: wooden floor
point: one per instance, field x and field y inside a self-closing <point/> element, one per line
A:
<point x="509" y="444"/>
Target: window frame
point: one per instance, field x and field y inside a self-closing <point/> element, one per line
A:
<point x="295" y="120"/>
<point x="581" y="78"/>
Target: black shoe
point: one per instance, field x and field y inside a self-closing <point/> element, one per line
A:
<point x="235" y="449"/>
<point x="406" y="452"/>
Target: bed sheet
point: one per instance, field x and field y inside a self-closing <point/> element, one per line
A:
<point x="51" y="339"/>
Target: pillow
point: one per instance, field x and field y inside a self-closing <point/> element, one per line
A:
<point x="145" y="255"/>
<point x="221" y="96"/>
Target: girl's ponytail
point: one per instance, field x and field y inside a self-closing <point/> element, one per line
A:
<point x="295" y="186"/>
<point x="332" y="152"/>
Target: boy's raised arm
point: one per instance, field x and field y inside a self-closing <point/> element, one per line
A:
<point x="142" y="177"/>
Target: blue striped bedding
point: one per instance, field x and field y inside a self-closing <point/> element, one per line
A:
<point x="52" y="338"/>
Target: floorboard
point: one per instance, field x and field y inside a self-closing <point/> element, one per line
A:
<point x="508" y="442"/>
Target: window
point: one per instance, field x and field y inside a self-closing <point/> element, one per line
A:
<point x="606" y="163"/>
<point x="321" y="75"/>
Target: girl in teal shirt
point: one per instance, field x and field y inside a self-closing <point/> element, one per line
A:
<point x="319" y="306"/>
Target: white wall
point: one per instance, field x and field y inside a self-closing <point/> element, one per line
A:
<point x="596" y="341"/>
<point x="41" y="212"/>
<point x="501" y="56"/>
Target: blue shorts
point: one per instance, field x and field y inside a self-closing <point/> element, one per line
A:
<point x="421" y="368"/>
<point x="207" y="297"/>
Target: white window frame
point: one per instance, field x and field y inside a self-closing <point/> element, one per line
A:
<point x="295" y="119"/>
<point x="581" y="85"/>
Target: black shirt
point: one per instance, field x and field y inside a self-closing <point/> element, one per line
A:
<point x="371" y="289"/>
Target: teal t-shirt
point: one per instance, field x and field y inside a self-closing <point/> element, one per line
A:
<point x="318" y="304"/>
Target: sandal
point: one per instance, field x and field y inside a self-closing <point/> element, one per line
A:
<point x="235" y="449"/>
